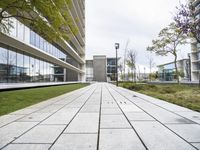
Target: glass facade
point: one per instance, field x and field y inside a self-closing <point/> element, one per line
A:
<point x="198" y="56"/>
<point x="111" y="68"/>
<point x="18" y="66"/>
<point x="23" y="33"/>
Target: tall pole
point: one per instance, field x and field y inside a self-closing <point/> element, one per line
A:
<point x="116" y="47"/>
<point x="189" y="65"/>
<point x="116" y="69"/>
<point x="199" y="79"/>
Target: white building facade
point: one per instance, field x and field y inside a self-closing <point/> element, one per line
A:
<point x="195" y="46"/>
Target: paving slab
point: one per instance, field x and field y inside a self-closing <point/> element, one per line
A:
<point x="111" y="111"/>
<point x="130" y="108"/>
<point x="90" y="108"/>
<point x="12" y="131"/>
<point x="108" y="104"/>
<point x="192" y="115"/>
<point x="197" y="145"/>
<point x="84" y="123"/>
<point x="76" y="142"/>
<point x="190" y="132"/>
<point x="27" y="147"/>
<point x="63" y="116"/>
<point x="157" y="137"/>
<point x="161" y="114"/>
<point x="6" y="119"/>
<point x="71" y="121"/>
<point x="35" y="117"/>
<point x="50" y="109"/>
<point x="119" y="139"/>
<point x="41" y="134"/>
<point x="114" y="121"/>
<point x="25" y="111"/>
<point x="138" y="116"/>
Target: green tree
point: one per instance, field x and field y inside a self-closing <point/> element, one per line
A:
<point x="167" y="42"/>
<point x="50" y="18"/>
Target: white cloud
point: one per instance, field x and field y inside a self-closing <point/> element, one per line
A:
<point x="110" y="21"/>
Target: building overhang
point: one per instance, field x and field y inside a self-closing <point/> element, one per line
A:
<point x="22" y="46"/>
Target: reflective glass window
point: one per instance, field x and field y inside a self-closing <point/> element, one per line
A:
<point x="32" y="69"/>
<point x="13" y="30"/>
<point x="27" y="34"/>
<point x="20" y="67"/>
<point x="37" y="41"/>
<point x="26" y="68"/>
<point x="41" y="43"/>
<point x="3" y="64"/>
<point x="41" y="70"/>
<point x="20" y="30"/>
<point x="12" y="62"/>
<point x="37" y="69"/>
<point x="32" y="38"/>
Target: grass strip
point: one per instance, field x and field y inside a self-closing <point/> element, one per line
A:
<point x="183" y="95"/>
<point x="14" y="100"/>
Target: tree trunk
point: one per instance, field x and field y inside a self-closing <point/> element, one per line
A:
<point x="135" y="75"/>
<point x="176" y="68"/>
<point x="132" y="74"/>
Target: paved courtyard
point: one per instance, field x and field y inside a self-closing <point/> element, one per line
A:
<point x="101" y="117"/>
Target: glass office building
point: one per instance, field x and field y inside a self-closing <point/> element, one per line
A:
<point x="109" y="67"/>
<point x="25" y="56"/>
<point x="167" y="72"/>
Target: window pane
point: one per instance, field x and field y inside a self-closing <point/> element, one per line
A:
<point x="41" y="70"/>
<point x="14" y="29"/>
<point x="41" y="43"/>
<point x="27" y="35"/>
<point x="12" y="66"/>
<point x="26" y="68"/>
<point x="32" y="69"/>
<point x="32" y="38"/>
<point x="20" y="30"/>
<point x="3" y="64"/>
<point x="37" y="70"/>
<point x="37" y="41"/>
<point x="20" y="67"/>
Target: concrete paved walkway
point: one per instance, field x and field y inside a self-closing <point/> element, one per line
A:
<point x="101" y="117"/>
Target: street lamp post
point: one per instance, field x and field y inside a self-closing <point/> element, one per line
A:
<point x="189" y="67"/>
<point x="116" y="47"/>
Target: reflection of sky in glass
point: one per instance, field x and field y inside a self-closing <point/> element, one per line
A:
<point x="198" y="56"/>
<point x="169" y="66"/>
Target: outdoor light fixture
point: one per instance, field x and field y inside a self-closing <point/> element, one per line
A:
<point x="116" y="47"/>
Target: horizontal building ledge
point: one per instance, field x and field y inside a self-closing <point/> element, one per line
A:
<point x="8" y="40"/>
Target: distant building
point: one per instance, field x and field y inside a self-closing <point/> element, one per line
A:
<point x="111" y="69"/>
<point x="166" y="72"/>
<point x="89" y="70"/>
<point x="101" y="69"/>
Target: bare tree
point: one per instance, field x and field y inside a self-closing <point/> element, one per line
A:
<point x="151" y="64"/>
<point x="131" y="62"/>
<point x="120" y="66"/>
<point x="125" y="55"/>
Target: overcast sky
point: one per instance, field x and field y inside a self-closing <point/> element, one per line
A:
<point x="139" y="21"/>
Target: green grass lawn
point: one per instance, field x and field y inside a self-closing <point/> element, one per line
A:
<point x="14" y="100"/>
<point x="183" y="95"/>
